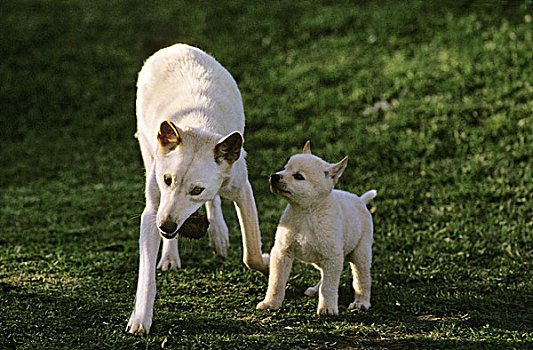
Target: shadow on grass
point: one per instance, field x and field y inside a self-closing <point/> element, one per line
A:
<point x="55" y="319"/>
<point x="317" y="334"/>
<point x="60" y="320"/>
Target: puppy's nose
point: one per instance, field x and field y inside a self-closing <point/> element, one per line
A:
<point x="168" y="227"/>
<point x="274" y="179"/>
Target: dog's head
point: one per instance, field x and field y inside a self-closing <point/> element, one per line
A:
<point x="306" y="178"/>
<point x="190" y="168"/>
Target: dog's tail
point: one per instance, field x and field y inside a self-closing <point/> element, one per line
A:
<point x="368" y="196"/>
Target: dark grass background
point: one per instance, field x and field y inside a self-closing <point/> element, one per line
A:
<point x="451" y="161"/>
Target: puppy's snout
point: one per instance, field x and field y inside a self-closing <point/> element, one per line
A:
<point x="168" y="227"/>
<point x="274" y="179"/>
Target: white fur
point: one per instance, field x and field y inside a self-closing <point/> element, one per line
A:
<point x="320" y="226"/>
<point x="190" y="89"/>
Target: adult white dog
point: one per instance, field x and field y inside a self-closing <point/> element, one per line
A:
<point x="190" y="124"/>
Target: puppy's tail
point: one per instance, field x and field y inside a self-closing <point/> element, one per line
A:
<point x="368" y="196"/>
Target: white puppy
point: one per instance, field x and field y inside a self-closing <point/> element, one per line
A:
<point x="190" y="122"/>
<point x="320" y="226"/>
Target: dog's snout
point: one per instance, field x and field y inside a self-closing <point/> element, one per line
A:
<point x="168" y="227"/>
<point x="274" y="179"/>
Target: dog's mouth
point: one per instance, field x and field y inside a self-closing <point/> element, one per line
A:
<point x="195" y="227"/>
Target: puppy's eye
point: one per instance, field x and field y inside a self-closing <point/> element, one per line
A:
<point x="168" y="179"/>
<point x="298" y="176"/>
<point x="196" y="191"/>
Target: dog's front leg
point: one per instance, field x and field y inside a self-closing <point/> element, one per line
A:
<point x="328" y="293"/>
<point x="251" y="237"/>
<point x="280" y="269"/>
<point x="141" y="318"/>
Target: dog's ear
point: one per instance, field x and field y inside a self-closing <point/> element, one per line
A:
<point x="335" y="171"/>
<point x="228" y="148"/>
<point x="168" y="136"/>
<point x="307" y="148"/>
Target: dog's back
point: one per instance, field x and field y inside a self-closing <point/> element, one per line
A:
<point x="190" y="88"/>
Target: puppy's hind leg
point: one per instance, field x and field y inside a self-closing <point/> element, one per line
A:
<point x="218" y="230"/>
<point x="360" y="261"/>
<point x="170" y="257"/>
<point x="311" y="291"/>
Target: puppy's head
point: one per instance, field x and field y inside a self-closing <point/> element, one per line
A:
<point x="306" y="178"/>
<point x="190" y="168"/>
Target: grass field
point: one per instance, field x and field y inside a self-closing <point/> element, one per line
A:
<point x="451" y="161"/>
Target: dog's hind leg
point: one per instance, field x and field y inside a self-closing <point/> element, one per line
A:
<point x="170" y="257"/>
<point x="360" y="261"/>
<point x="218" y="230"/>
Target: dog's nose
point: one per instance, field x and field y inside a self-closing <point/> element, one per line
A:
<point x="168" y="227"/>
<point x="274" y="179"/>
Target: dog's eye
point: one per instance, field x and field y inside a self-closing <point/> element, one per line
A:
<point x="168" y="180"/>
<point x="298" y="176"/>
<point x="196" y="191"/>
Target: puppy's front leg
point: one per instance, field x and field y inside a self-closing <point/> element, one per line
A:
<point x="328" y="293"/>
<point x="251" y="237"/>
<point x="280" y="269"/>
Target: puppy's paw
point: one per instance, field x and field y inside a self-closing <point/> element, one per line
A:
<point x="266" y="260"/>
<point x="360" y="305"/>
<point x="169" y="262"/>
<point x="311" y="291"/>
<point x="331" y="310"/>
<point x="138" y="326"/>
<point x="219" y="239"/>
<point x="268" y="304"/>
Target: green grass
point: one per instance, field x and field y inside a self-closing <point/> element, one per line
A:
<point x="451" y="162"/>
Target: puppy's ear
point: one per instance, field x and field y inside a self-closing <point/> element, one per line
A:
<point x="168" y="136"/>
<point x="307" y="148"/>
<point x="228" y="148"/>
<point x="335" y="171"/>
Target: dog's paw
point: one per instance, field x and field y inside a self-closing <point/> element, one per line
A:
<point x="219" y="239"/>
<point x="324" y="310"/>
<point x="268" y="304"/>
<point x="169" y="262"/>
<point x="136" y="326"/>
<point x="360" y="305"/>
